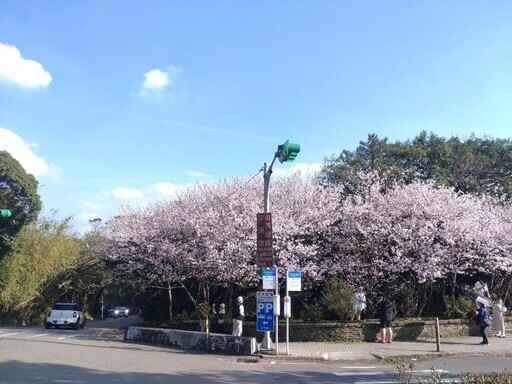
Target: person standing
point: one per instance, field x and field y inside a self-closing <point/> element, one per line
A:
<point x="219" y="323"/>
<point x="498" y="322"/>
<point x="481" y="293"/>
<point x="483" y="322"/>
<point x="238" y="316"/>
<point x="385" y="313"/>
<point x="358" y="304"/>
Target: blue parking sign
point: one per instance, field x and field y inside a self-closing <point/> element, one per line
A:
<point x="264" y="311"/>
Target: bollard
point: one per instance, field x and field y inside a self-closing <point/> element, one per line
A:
<point x="438" y="342"/>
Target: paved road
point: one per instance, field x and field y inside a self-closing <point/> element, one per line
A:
<point x="98" y="354"/>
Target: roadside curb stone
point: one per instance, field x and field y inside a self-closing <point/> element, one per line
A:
<point x="370" y="351"/>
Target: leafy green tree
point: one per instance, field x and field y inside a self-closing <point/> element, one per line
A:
<point x="18" y="193"/>
<point x="475" y="165"/>
<point x="91" y="280"/>
<point x="33" y="272"/>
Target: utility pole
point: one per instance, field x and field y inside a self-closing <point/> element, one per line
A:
<point x="286" y="152"/>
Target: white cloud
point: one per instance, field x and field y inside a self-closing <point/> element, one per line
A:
<point x="165" y="188"/>
<point x="23" y="152"/>
<point x="126" y="194"/>
<point x="22" y="72"/>
<point x="306" y="170"/>
<point x="156" y="81"/>
<point x="150" y="195"/>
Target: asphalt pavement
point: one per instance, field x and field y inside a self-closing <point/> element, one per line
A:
<point x="367" y="351"/>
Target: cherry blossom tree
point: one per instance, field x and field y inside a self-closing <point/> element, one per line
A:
<point x="207" y="235"/>
<point x="416" y="234"/>
<point x="408" y="238"/>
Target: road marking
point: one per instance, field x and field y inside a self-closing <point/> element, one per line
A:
<point x="10" y="334"/>
<point x="66" y="337"/>
<point x="39" y="335"/>
<point x="430" y="370"/>
<point x="375" y="382"/>
<point x="358" y="373"/>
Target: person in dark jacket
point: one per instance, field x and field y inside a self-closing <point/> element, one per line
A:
<point x="385" y="313"/>
<point x="483" y="322"/>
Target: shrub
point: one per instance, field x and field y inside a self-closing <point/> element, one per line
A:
<point x="182" y="317"/>
<point x="460" y="307"/>
<point x="337" y="297"/>
<point x="493" y="378"/>
<point x="312" y="313"/>
<point x="404" y="375"/>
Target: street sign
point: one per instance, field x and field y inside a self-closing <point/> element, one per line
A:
<point x="264" y="311"/>
<point x="269" y="278"/>
<point x="293" y="280"/>
<point x="264" y="252"/>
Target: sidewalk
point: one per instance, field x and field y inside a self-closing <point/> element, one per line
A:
<point x="365" y="351"/>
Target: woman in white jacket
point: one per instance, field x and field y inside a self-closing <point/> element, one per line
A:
<point x="358" y="304"/>
<point x="498" y="323"/>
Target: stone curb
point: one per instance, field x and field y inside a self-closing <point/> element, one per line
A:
<point x="373" y="357"/>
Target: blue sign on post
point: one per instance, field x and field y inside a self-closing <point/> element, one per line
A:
<point x="293" y="280"/>
<point x="264" y="311"/>
<point x="269" y="278"/>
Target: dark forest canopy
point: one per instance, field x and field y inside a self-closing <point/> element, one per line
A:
<point x="474" y="165"/>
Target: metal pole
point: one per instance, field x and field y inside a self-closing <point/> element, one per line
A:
<point x="287" y="321"/>
<point x="266" y="185"/>
<point x="267" y="341"/>
<point x="276" y="318"/>
<point x="438" y="341"/>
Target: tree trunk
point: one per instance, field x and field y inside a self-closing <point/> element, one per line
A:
<point x="169" y="292"/>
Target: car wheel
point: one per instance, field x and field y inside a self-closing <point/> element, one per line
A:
<point x="47" y="325"/>
<point x="82" y="325"/>
<point x="75" y="325"/>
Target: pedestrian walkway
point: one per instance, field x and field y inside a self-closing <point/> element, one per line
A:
<point x="364" y="351"/>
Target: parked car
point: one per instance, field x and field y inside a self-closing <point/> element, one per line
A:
<point x="65" y="315"/>
<point x="118" y="311"/>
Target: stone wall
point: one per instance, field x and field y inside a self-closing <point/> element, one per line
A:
<point x="366" y="330"/>
<point x="369" y="330"/>
<point x="225" y="344"/>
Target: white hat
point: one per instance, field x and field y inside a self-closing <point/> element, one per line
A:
<point x="240" y="299"/>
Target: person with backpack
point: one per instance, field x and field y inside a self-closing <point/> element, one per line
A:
<point x="483" y="322"/>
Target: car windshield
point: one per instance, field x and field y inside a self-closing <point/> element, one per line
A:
<point x="65" y="307"/>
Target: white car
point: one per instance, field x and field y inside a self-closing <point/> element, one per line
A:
<point x="65" y="315"/>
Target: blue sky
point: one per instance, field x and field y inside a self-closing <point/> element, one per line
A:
<point x="112" y="103"/>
